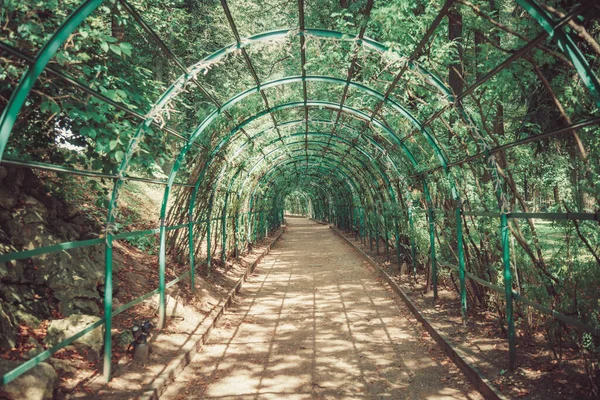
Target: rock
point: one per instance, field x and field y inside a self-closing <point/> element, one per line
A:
<point x="116" y="303"/>
<point x="24" y="304"/>
<point x="404" y="269"/>
<point x="17" y="293"/>
<point x="36" y="384"/>
<point x="60" y="329"/>
<point x="68" y="231"/>
<point x="37" y="349"/>
<point x="7" y="199"/>
<point x="25" y="314"/>
<point x="35" y="206"/>
<point x="8" y="335"/>
<point x="4" y="216"/>
<point x="11" y="271"/>
<point x="70" y="211"/>
<point x="72" y="372"/>
<point x="31" y="218"/>
<point x="74" y="278"/>
<point x="63" y="366"/>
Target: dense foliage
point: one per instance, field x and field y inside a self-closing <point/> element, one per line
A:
<point x="555" y="263"/>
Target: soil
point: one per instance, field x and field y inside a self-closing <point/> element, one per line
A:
<point x="192" y="317"/>
<point x="483" y="341"/>
<point x="135" y="274"/>
<point x="313" y="322"/>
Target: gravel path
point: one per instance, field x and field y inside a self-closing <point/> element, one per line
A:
<point x="313" y="322"/>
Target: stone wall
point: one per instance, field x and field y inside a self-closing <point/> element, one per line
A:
<point x="49" y="286"/>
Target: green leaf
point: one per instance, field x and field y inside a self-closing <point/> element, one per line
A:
<point x="104" y="46"/>
<point x="54" y="108"/>
<point x="101" y="146"/>
<point x="97" y="164"/>
<point x="84" y="56"/>
<point x="113" y="144"/>
<point x="87" y="131"/>
<point x="126" y="48"/>
<point x="119" y="156"/>
<point x="115" y="49"/>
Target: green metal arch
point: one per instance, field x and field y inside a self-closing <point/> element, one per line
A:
<point x="347" y="173"/>
<point x="326" y="167"/>
<point x="280" y="168"/>
<point x="376" y="164"/>
<point x="277" y="168"/>
<point x="566" y="45"/>
<point x="87" y="7"/>
<point x="320" y="188"/>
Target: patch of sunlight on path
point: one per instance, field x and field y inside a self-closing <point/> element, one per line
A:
<point x="313" y="322"/>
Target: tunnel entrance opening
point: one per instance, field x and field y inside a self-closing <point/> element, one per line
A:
<point x="418" y="141"/>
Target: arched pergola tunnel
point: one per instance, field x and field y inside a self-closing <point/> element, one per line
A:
<point x="394" y="154"/>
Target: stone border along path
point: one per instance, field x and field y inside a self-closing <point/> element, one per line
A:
<point x="202" y="334"/>
<point x="314" y="322"/>
<point x="457" y="355"/>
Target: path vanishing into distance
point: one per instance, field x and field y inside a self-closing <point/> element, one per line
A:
<point x="313" y="322"/>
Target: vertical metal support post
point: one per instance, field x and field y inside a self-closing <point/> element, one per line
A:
<point x="354" y="224"/>
<point x="512" y="348"/>
<point x="108" y="291"/>
<point x="259" y="226"/>
<point x="413" y="249"/>
<point x="376" y="226"/>
<point x="348" y="218"/>
<point x="208" y="234"/>
<point x="386" y="236"/>
<point x="396" y="223"/>
<point x="208" y="247"/>
<point x="370" y="229"/>
<point x="267" y="222"/>
<point x="236" y="224"/>
<point x="252" y="222"/>
<point x="243" y="221"/>
<point x="162" y="261"/>
<point x="432" y="255"/>
<point x="255" y="226"/>
<point x="248" y="227"/>
<point x="363" y="232"/>
<point x="359" y="223"/>
<point x="191" y="249"/>
<point x="461" y="265"/>
<point x="224" y="236"/>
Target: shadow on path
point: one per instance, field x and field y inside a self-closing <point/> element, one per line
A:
<point x="314" y="322"/>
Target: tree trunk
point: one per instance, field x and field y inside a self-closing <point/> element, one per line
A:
<point x="455" y="72"/>
<point x="118" y="31"/>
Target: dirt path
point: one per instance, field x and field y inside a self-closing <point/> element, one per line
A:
<point x="314" y="322"/>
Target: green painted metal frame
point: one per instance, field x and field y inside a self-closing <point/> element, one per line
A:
<point x="10" y="113"/>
